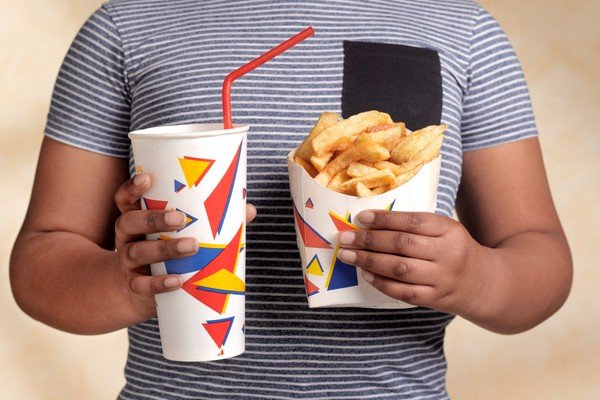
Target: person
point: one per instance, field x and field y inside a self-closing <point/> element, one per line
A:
<point x="135" y="64"/>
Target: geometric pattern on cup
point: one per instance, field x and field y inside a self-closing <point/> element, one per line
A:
<point x="194" y="169"/>
<point x="218" y="330"/>
<point x="152" y="204"/>
<point x="227" y="259"/>
<point x="217" y="203"/>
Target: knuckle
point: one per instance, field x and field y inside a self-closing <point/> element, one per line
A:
<point x="367" y="238"/>
<point x="152" y="219"/>
<point x="133" y="286"/>
<point x="385" y="218"/>
<point x="368" y="261"/>
<point x="401" y="241"/>
<point x="414" y="221"/>
<point x="408" y="295"/>
<point x="134" y="252"/>
<point x="156" y="285"/>
<point x="120" y="223"/>
<point x="164" y="249"/>
<point x="399" y="270"/>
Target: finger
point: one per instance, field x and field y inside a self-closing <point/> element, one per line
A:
<point x="151" y="285"/>
<point x="136" y="254"/>
<point x="128" y="195"/>
<point x="417" y="295"/>
<point x="420" y="223"/>
<point x="140" y="222"/>
<point x="403" y="269"/>
<point x="250" y="213"/>
<point x="391" y="242"/>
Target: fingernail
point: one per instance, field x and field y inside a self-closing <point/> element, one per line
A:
<point x="187" y="245"/>
<point x="140" y="179"/>
<point x="346" y="237"/>
<point x="172" y="281"/>
<point x="368" y="276"/>
<point x="174" y="218"/>
<point x="347" y="256"/>
<point x="366" y="217"/>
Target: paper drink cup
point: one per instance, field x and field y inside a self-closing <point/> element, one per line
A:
<point x="200" y="170"/>
<point x="321" y="213"/>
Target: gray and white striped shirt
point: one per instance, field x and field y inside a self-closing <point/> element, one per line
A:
<point x="143" y="63"/>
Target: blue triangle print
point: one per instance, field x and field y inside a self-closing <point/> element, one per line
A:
<point x="191" y="217"/>
<point x="192" y="263"/>
<point x="178" y="186"/>
<point x="343" y="276"/>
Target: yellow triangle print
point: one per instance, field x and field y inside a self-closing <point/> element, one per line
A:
<point x="222" y="281"/>
<point x="314" y="267"/>
<point x="194" y="169"/>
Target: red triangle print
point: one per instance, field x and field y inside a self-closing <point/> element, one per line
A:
<point x="219" y="330"/>
<point x="227" y="259"/>
<point x="218" y="202"/>
<point x="310" y="237"/>
<point x="309" y="203"/>
<point x="311" y="288"/>
<point x="155" y="204"/>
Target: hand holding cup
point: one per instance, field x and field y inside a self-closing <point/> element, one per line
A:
<point x="134" y="253"/>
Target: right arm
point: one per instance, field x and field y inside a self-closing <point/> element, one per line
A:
<point x="64" y="271"/>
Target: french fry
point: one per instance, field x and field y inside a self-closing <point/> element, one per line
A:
<point x="327" y="141"/>
<point x="395" y="168"/>
<point x="366" y="154"/>
<point x="390" y="137"/>
<point x="379" y="190"/>
<point x="379" y="178"/>
<point x="319" y="162"/>
<point x="405" y="177"/>
<point x="358" y="169"/>
<point x="362" y="190"/>
<point x="423" y="144"/>
<point x="380" y="127"/>
<point x="325" y="120"/>
<point x="307" y="166"/>
<point x="339" y="163"/>
<point x="337" y="180"/>
<point x="370" y="150"/>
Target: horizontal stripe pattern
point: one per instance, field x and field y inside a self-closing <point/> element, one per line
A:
<point x="141" y="63"/>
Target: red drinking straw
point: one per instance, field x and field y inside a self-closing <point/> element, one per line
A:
<point x="226" y="94"/>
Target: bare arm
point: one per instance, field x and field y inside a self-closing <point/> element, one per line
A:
<point x="64" y="270"/>
<point x="506" y="269"/>
<point x="506" y="205"/>
<point x="60" y="266"/>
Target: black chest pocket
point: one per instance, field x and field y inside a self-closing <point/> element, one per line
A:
<point x="403" y="81"/>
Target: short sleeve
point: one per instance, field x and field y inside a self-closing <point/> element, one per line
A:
<point x="496" y="106"/>
<point x="90" y="103"/>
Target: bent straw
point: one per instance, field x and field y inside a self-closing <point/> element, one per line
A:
<point x="226" y="92"/>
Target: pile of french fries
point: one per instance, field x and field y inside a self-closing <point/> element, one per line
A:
<point x="366" y="154"/>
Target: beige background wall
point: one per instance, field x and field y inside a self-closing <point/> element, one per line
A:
<point x="558" y="42"/>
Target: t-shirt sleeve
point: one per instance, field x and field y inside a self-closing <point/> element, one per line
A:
<point x="496" y="105"/>
<point x="90" y="103"/>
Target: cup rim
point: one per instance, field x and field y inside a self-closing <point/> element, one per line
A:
<point x="186" y="131"/>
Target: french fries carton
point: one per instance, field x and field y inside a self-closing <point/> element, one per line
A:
<point x="321" y="213"/>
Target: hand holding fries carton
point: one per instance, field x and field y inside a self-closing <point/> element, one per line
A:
<point x="366" y="161"/>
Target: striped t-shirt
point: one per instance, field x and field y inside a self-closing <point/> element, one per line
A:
<point x="143" y="63"/>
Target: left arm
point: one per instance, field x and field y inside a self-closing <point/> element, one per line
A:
<point x="507" y="267"/>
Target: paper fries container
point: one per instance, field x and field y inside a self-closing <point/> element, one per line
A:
<point x="200" y="170"/>
<point x="320" y="214"/>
